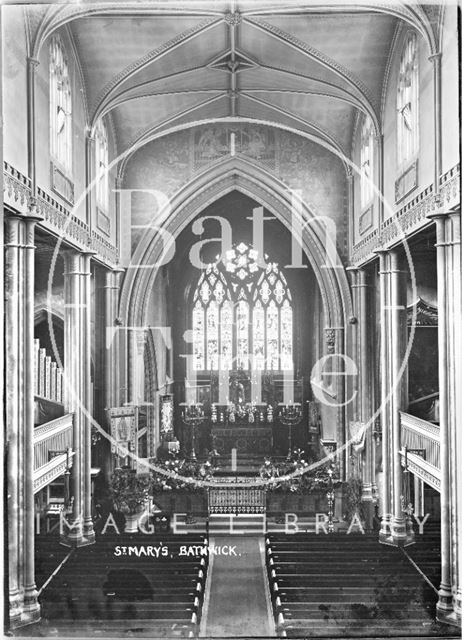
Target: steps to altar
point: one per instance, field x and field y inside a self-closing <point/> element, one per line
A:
<point x="242" y="524"/>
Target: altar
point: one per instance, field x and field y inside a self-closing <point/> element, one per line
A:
<point x="245" y="439"/>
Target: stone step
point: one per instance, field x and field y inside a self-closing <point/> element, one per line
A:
<point x="243" y="524"/>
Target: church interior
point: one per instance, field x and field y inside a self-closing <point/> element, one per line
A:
<point x="233" y="325"/>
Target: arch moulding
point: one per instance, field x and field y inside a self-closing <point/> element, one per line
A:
<point x="203" y="190"/>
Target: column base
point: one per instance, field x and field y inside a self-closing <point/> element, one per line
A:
<point x="31" y="606"/>
<point x="385" y="530"/>
<point x="89" y="532"/>
<point x="25" y="612"/>
<point x="448" y="616"/>
<point x="15" y="610"/>
<point x="444" y="606"/>
<point x="74" y="542"/>
<point x="401" y="534"/>
<point x="368" y="507"/>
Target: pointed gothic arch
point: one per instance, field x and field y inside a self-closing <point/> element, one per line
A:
<point x="204" y="189"/>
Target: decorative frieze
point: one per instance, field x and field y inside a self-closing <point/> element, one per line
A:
<point x="411" y="217"/>
<point x="330" y="340"/>
<point x="104" y="249"/>
<point x="16" y="188"/>
<point x="450" y="188"/>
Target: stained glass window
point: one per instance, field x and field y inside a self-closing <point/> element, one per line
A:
<point x="60" y="106"/>
<point x="407" y="103"/>
<point x="101" y="162"/>
<point x="242" y="315"/>
<point x="367" y="162"/>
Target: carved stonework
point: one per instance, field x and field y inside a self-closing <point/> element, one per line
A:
<point x="233" y="19"/>
<point x="330" y="340"/>
<point x="426" y="315"/>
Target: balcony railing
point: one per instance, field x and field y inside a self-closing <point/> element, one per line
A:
<point x="418" y="434"/>
<point x="52" y="450"/>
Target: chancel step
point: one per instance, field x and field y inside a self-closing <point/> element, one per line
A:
<point x="241" y="524"/>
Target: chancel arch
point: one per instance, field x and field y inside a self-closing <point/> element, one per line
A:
<point x="236" y="176"/>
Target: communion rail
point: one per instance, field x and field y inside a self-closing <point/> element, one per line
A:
<point x="237" y="500"/>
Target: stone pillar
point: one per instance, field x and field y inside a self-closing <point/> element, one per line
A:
<point x="365" y="395"/>
<point x="419" y="507"/>
<point x="397" y="321"/>
<point x="450" y="383"/>
<point x="385" y="497"/>
<point x="31" y="605"/>
<point x="112" y="337"/>
<point x="14" y="417"/>
<point x="456" y="412"/>
<point x="77" y="349"/>
<point x="19" y="301"/>
<point x="87" y="408"/>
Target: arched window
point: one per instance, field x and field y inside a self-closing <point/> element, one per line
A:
<point x="242" y="315"/>
<point x="367" y="162"/>
<point x="408" y="103"/>
<point x="60" y="106"/>
<point x="101" y="162"/>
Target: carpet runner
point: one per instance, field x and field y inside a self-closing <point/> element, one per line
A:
<point x="236" y="602"/>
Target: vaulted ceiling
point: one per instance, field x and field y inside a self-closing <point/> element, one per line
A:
<point x="158" y="65"/>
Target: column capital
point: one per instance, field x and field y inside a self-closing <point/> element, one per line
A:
<point x="33" y="63"/>
<point x="435" y="57"/>
<point x="89" y="134"/>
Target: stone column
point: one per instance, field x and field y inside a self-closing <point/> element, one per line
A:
<point x="365" y="395"/>
<point x="397" y="318"/>
<point x="385" y="497"/>
<point x="447" y="254"/>
<point x="14" y="417"/>
<point x="456" y="412"/>
<point x="77" y="350"/>
<point x="19" y="280"/>
<point x="87" y="409"/>
<point x="73" y="385"/>
<point x="31" y="605"/>
<point x="111" y="304"/>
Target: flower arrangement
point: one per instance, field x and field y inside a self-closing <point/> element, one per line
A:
<point x="289" y="475"/>
<point x="129" y="490"/>
<point x="177" y="469"/>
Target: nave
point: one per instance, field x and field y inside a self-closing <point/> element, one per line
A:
<point x="232" y="304"/>
<point x="272" y="585"/>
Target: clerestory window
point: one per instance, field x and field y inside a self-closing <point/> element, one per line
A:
<point x="60" y="106"/>
<point x="407" y="103"/>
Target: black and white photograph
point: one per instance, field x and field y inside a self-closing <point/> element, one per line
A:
<point x="232" y="328"/>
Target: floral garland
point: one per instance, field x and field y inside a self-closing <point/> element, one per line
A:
<point x="176" y="470"/>
<point x="289" y="475"/>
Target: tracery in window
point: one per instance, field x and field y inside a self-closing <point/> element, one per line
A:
<point x="242" y="315"/>
<point x="408" y="103"/>
<point x="60" y="106"/>
<point x="367" y="162"/>
<point x="101" y="162"/>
